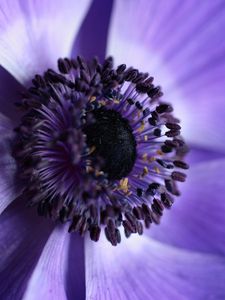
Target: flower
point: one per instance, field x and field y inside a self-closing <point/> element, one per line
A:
<point x="96" y="147"/>
<point x="183" y="258"/>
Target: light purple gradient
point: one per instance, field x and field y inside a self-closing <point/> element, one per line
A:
<point x="34" y="34"/>
<point x="182" y="46"/>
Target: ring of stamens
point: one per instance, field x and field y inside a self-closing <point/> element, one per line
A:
<point x="99" y="148"/>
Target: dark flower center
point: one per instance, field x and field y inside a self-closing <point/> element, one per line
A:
<point x="96" y="147"/>
<point x="113" y="140"/>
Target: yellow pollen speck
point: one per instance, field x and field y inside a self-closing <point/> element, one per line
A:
<point x="99" y="173"/>
<point x="145" y="171"/>
<point x="116" y="101"/>
<point x="146" y="138"/>
<point x="102" y="102"/>
<point x="157" y="170"/>
<point x="145" y="157"/>
<point x="92" y="99"/>
<point x="89" y="169"/>
<point x="142" y="127"/>
<point x="151" y="159"/>
<point x="92" y="150"/>
<point x="124" y="185"/>
<point x="159" y="152"/>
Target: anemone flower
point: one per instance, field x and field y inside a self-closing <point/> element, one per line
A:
<point x="94" y="148"/>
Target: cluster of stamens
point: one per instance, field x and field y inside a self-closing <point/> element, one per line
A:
<point x="96" y="147"/>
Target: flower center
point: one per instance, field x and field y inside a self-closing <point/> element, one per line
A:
<point x="98" y="148"/>
<point x="111" y="136"/>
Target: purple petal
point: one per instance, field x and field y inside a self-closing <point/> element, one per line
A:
<point x="35" y="34"/>
<point x="199" y="155"/>
<point x="75" y="278"/>
<point x="184" y="51"/>
<point x="48" y="278"/>
<point x="196" y="221"/>
<point x="141" y="268"/>
<point x="10" y="93"/>
<point x="92" y="37"/>
<point x="22" y="237"/>
<point x="9" y="187"/>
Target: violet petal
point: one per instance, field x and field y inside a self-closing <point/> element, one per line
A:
<point x="141" y="268"/>
<point x="200" y="154"/>
<point x="92" y="37"/>
<point x="22" y="237"/>
<point x="185" y="53"/>
<point x="35" y="35"/>
<point x="48" y="278"/>
<point x="9" y="187"/>
<point x="10" y="93"/>
<point x="75" y="278"/>
<point x="196" y="220"/>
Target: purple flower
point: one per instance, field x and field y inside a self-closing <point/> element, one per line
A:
<point x="182" y="45"/>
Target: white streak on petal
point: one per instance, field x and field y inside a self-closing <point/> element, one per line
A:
<point x="34" y="34"/>
<point x="141" y="268"/>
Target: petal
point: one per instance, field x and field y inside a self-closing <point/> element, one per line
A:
<point x="196" y="220"/>
<point x="9" y="185"/>
<point x="47" y="280"/>
<point x="34" y="34"/>
<point x="199" y="155"/>
<point x="10" y="93"/>
<point x="75" y="278"/>
<point x="92" y="37"/>
<point x="141" y="268"/>
<point x="22" y="237"/>
<point x="184" y="52"/>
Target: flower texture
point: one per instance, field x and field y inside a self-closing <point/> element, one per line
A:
<point x="92" y="146"/>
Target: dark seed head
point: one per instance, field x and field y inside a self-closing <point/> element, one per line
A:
<point x="112" y="137"/>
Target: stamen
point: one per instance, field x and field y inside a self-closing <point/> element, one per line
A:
<point x="98" y="149"/>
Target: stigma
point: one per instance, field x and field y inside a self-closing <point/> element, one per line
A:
<point x="97" y="148"/>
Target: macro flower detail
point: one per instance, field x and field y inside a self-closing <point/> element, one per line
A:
<point x="91" y="150"/>
<point x="96" y="146"/>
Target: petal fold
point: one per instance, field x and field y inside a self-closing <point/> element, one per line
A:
<point x="198" y="155"/>
<point x="75" y="275"/>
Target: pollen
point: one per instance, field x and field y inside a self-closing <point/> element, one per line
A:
<point x="159" y="152"/>
<point x="116" y="101"/>
<point x="145" y="157"/>
<point x="145" y="171"/>
<point x="124" y="185"/>
<point x="157" y="170"/>
<point x="92" y="99"/>
<point x="142" y="127"/>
